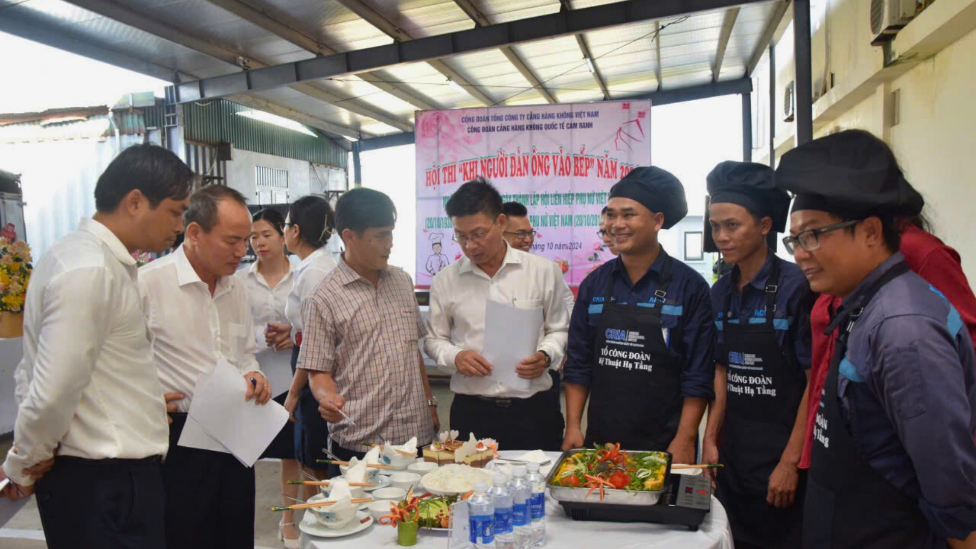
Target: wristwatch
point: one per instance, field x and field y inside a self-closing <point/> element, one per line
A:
<point x="432" y="401"/>
<point x="548" y="358"/>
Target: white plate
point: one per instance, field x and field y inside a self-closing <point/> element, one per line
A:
<point x="312" y="527"/>
<point x="382" y="482"/>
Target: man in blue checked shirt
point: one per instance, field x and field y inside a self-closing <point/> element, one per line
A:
<point x="640" y="339"/>
<point x="762" y="361"/>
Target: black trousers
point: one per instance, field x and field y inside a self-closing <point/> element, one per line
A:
<point x="111" y="503"/>
<point x="517" y="424"/>
<point x="209" y="497"/>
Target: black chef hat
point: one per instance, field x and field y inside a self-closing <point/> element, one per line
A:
<point x="851" y="174"/>
<point x="655" y="189"/>
<point x="751" y="186"/>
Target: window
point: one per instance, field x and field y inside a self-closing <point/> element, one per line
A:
<point x="693" y="247"/>
<point x="271" y="185"/>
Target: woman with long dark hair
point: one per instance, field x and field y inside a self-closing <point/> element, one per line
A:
<point x="306" y="229"/>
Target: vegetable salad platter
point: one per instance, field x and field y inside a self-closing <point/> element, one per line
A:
<point x="607" y="474"/>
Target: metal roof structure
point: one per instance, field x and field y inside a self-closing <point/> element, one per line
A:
<point x="361" y="68"/>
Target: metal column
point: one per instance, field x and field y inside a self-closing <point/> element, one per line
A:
<point x="804" y="71"/>
<point x="772" y="106"/>
<point x="358" y="181"/>
<point x="747" y="127"/>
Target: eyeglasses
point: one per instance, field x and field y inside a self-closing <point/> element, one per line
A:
<point x="477" y="238"/>
<point x="603" y="234"/>
<point x="522" y="235"/>
<point x="809" y="240"/>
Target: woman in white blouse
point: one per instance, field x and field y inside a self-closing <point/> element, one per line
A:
<point x="269" y="280"/>
<point x="307" y="230"/>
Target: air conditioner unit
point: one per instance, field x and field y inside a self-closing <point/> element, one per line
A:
<point x="789" y="102"/>
<point x="890" y="16"/>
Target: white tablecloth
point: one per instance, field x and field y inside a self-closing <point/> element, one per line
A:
<point x="564" y="532"/>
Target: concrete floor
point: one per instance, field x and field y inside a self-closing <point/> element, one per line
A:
<point x="24" y="530"/>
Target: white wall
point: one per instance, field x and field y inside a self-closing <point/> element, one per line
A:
<point x="240" y="174"/>
<point x="933" y="139"/>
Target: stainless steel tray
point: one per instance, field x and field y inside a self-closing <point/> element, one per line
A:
<point x="611" y="496"/>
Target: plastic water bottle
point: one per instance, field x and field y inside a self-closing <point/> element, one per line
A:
<point x="521" y="519"/>
<point x="504" y="533"/>
<point x="537" y="504"/>
<point x="482" y="520"/>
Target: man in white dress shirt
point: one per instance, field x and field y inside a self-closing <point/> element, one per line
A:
<point x="197" y="313"/>
<point x="492" y="269"/>
<point x="87" y="387"/>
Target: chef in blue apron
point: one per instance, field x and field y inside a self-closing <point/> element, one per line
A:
<point x="762" y="359"/>
<point x="894" y="462"/>
<point x="641" y="335"/>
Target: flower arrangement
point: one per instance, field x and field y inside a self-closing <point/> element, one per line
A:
<point x="15" y="272"/>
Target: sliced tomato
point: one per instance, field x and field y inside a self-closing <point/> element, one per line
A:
<point x="571" y="480"/>
<point x="619" y="479"/>
<point x="619" y="459"/>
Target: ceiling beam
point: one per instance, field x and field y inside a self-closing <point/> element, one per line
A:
<point x="691" y="93"/>
<point x="286" y="32"/>
<point x="728" y="24"/>
<point x="446" y="45"/>
<point x="481" y="21"/>
<point x="12" y="24"/>
<point x="768" y="35"/>
<point x="585" y="50"/>
<point x="376" y="19"/>
<point x="132" y="18"/>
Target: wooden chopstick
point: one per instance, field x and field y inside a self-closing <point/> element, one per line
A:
<point x="374" y="466"/>
<point x="317" y="504"/>
<point x="695" y="466"/>
<point x="326" y="483"/>
<point x="401" y="452"/>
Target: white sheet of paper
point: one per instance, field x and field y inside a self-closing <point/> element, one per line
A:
<point x="194" y="436"/>
<point x="243" y="427"/>
<point x="511" y="335"/>
<point x="277" y="373"/>
<point x="10" y="508"/>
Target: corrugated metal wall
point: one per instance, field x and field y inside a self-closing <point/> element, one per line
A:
<point x="202" y="159"/>
<point x="217" y="121"/>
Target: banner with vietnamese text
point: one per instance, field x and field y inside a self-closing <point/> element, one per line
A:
<point x="558" y="160"/>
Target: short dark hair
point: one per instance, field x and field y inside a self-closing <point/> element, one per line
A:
<point x="152" y="170"/>
<point x="604" y="210"/>
<point x="204" y="204"/>
<point x="514" y="209"/>
<point x="314" y="218"/>
<point x="273" y="217"/>
<point x="474" y="197"/>
<point x="362" y="208"/>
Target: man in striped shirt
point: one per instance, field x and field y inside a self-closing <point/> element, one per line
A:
<point x="362" y="330"/>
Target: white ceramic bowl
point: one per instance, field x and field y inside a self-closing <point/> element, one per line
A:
<point x="355" y="492"/>
<point x="378" y="508"/>
<point x="404" y="481"/>
<point x="329" y="518"/>
<point x="389" y="494"/>
<point x="372" y="473"/>
<point x="401" y="462"/>
<point x="422" y="467"/>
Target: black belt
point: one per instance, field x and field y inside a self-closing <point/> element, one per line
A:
<point x="502" y="402"/>
<point x="80" y="461"/>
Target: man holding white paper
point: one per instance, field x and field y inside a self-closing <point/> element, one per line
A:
<point x="497" y="396"/>
<point x="198" y="314"/>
